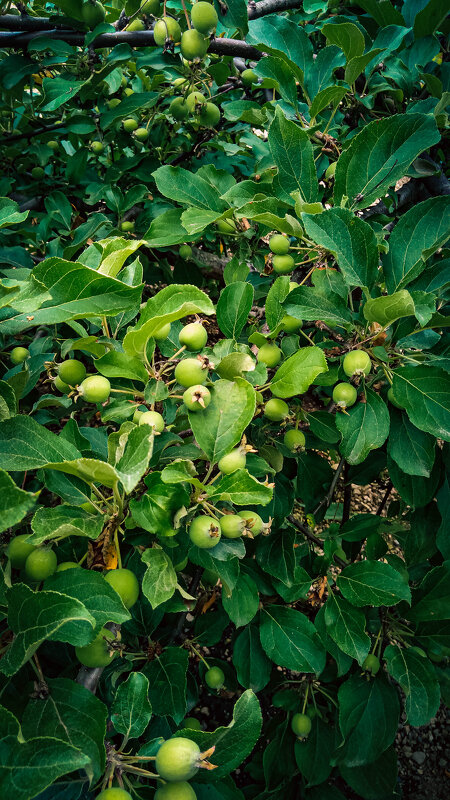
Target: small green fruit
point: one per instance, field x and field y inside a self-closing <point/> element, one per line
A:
<point x="185" y="251"/>
<point x="114" y="793"/>
<point x="344" y="395"/>
<point x="204" y="532"/>
<point x="209" y="115"/>
<point x="193" y="46"/>
<point x="294" y="440"/>
<point x="62" y="387"/>
<point x="65" y="565"/>
<point x="232" y="461"/>
<point x="141" y="134"/>
<point x="204" y="17"/>
<point x="249" y="76"/>
<point x="371" y="664"/>
<point x="194" y="101"/>
<point x="357" y="362"/>
<point x="125" y="583"/>
<point x="192" y="724"/>
<point x="151" y="7"/>
<point x="18" y="550"/>
<point x="180" y="790"/>
<point x="253" y="522"/>
<point x="72" y="371"/>
<point x="276" y="410"/>
<point x="37" y="173"/>
<point x="99" y="652"/>
<point x="92" y="13"/>
<point x="95" y="389"/>
<point x="197" y="398"/>
<point x="290" y="324"/>
<point x="269" y="354"/>
<point x="214" y="678"/>
<point x="154" y="419"/>
<point x="18" y="355"/>
<point x="282" y="265"/>
<point x="135" y="25"/>
<point x="40" y="564"/>
<point x="177" y="759"/>
<point x="392" y="399"/>
<point x="301" y="725"/>
<point x="179" y="109"/>
<point x="279" y="244"/>
<point x="98" y="147"/>
<point x="53" y="145"/>
<point x="189" y="372"/>
<point x="129" y="125"/>
<point x="166" y="28"/>
<point x="232" y="526"/>
<point x="193" y="336"/>
<point x="127" y="226"/>
<point x="162" y="332"/>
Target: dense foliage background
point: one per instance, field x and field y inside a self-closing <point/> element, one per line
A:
<point x="264" y="552"/>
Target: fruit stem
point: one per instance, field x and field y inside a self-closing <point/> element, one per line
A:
<point x="186" y="14"/>
<point x="305" y="699"/>
<point x="117" y="546"/>
<point x="306" y="336"/>
<point x="105" y="327"/>
<point x="194" y="649"/>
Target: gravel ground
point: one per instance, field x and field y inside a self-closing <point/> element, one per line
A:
<point x="424" y="759"/>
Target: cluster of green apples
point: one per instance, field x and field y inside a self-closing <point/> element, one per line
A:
<point x="194" y="41"/>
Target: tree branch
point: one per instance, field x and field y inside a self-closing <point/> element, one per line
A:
<point x="18" y="39"/>
<point x="313" y="538"/>
<point x="256" y="10"/>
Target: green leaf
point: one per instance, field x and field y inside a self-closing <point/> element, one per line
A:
<point x="36" y="616"/>
<point x="62" y="521"/>
<point x="129" y="105"/>
<point x="331" y="95"/>
<point x="388" y="308"/>
<point x="90" y="470"/>
<point x="369" y="712"/>
<point x="291" y="640"/>
<point x="131" y="710"/>
<point x="284" y="38"/>
<point x="252" y="666"/>
<point x="24" y="444"/>
<point x="417" y="677"/>
<point x="306" y="303"/>
<point x="293" y="155"/>
<point x="134" y="461"/>
<point x="8" y="401"/>
<point x="160" y="579"/>
<point x="416" y="236"/>
<point x="358" y="65"/>
<point x="187" y="187"/>
<point x="351" y="240"/>
<point x="346" y="626"/>
<point x="10" y="214"/>
<point x="167" y="683"/>
<point x="232" y="743"/>
<point x="58" y="91"/>
<point x="323" y="425"/>
<point x="347" y="36"/>
<point x="220" y="427"/>
<point x="380" y="155"/>
<point x="278" y="75"/>
<point x="233" y="308"/>
<point x="14" y="502"/>
<point x="429" y="18"/>
<point x="276" y="295"/>
<point x="76" y="292"/>
<point x="364" y="427"/>
<point x="154" y="512"/>
<point x="241" y="489"/>
<point x="235" y="365"/>
<point x="424" y="391"/>
<point x="413" y="450"/>
<point x="431" y="598"/>
<point x="27" y="769"/>
<point x="313" y="754"/>
<point x="383" y="12"/>
<point x="297" y="373"/>
<point x="71" y="714"/>
<point x="91" y="589"/>
<point x="242" y="605"/>
<point x="172" y="303"/>
<point x="119" y="365"/>
<point x="377" y="780"/>
<point x="373" y="583"/>
<point x="166" y="229"/>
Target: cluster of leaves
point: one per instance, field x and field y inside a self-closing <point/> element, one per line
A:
<point x="198" y="363"/>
